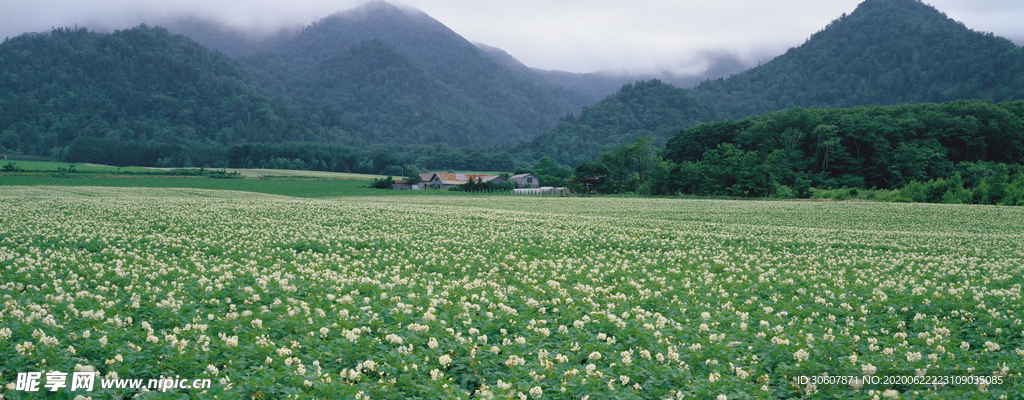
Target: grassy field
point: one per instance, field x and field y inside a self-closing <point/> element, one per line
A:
<point x="450" y="296"/>
<point x="294" y="188"/>
<point x="305" y="188"/>
<point x="288" y="173"/>
<point x="52" y="166"/>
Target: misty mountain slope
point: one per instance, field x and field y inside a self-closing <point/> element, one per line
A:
<point x="592" y="86"/>
<point x="141" y="84"/>
<point x="372" y="76"/>
<point x="885" y="52"/>
<point x="232" y="42"/>
<point x="575" y="94"/>
<point x="525" y="107"/>
<point x="646" y="108"/>
<point x="598" y="85"/>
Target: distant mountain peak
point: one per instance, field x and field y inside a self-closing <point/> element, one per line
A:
<point x="411" y="79"/>
<point x="375" y="7"/>
<point x="884" y="52"/>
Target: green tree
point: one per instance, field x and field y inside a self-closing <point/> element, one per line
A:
<point x="592" y="177"/>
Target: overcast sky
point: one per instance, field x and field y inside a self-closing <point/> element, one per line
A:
<point x="568" y="35"/>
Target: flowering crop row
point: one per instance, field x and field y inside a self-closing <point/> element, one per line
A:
<point x="506" y="297"/>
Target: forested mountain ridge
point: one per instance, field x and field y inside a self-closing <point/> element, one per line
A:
<point x="648" y="108"/>
<point x="885" y="52"/>
<point x="460" y="95"/>
<point x="141" y="85"/>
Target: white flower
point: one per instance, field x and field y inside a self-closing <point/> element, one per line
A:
<point x="212" y="369"/>
<point x="445" y="360"/>
<point x="868" y="369"/>
<point x="801" y="355"/>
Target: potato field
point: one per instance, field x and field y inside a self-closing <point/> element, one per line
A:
<point x="396" y="297"/>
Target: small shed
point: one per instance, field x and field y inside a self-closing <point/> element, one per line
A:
<point x="495" y="179"/>
<point x="546" y="190"/>
<point x="402" y="184"/>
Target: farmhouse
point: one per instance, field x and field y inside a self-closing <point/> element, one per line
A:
<point x="445" y="180"/>
<point x="525" y="181"/>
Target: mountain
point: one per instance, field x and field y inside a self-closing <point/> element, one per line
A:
<point x="142" y="85"/>
<point x="885" y="52"/>
<point x="411" y="79"/>
<point x="646" y="108"/>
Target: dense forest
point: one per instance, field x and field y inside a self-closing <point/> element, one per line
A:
<point x="650" y="108"/>
<point x="885" y="52"/>
<point x="789" y="153"/>
<point x="967" y="151"/>
<point x="142" y="85"/>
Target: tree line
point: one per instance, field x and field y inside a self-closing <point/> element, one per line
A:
<point x="963" y="151"/>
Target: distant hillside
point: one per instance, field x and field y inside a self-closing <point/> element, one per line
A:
<point x="886" y="52"/>
<point x="141" y="85"/>
<point x="602" y="84"/>
<point x="438" y="88"/>
<point x="594" y="86"/>
<point x="649" y="108"/>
